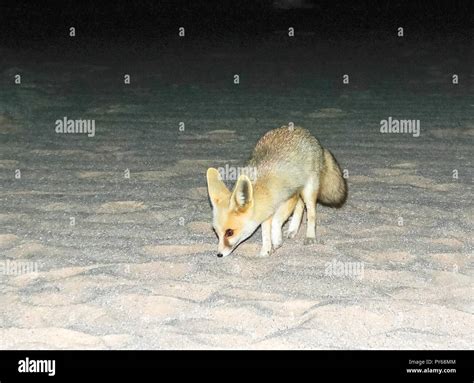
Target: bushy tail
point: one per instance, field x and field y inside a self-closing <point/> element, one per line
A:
<point x="332" y="186"/>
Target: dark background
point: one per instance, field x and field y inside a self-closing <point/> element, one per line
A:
<point x="26" y="23"/>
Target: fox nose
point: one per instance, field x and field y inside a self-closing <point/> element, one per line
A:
<point x="219" y="255"/>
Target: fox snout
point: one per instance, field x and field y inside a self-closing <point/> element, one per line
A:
<point x="223" y="250"/>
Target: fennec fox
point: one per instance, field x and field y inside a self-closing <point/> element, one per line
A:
<point x="292" y="171"/>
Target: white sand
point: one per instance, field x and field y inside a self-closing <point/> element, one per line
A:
<point x="138" y="269"/>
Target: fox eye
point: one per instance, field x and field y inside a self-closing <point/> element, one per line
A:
<point x="229" y="233"/>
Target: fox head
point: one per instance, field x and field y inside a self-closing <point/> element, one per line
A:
<point x="232" y="212"/>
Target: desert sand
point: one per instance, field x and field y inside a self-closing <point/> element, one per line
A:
<point x="130" y="262"/>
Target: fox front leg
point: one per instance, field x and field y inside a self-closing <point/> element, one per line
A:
<point x="266" y="238"/>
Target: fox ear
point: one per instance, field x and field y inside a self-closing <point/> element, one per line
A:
<point x="215" y="187"/>
<point x="242" y="197"/>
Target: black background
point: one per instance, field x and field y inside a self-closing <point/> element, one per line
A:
<point x="40" y="23"/>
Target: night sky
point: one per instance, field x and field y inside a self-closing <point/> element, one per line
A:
<point x="28" y="23"/>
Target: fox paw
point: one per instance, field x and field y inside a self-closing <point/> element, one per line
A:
<point x="291" y="234"/>
<point x="310" y="241"/>
<point x="277" y="244"/>
<point x="265" y="252"/>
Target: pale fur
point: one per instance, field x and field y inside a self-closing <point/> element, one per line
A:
<point x="293" y="171"/>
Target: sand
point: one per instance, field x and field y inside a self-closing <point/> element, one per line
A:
<point x="118" y="224"/>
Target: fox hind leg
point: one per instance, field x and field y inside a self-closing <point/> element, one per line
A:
<point x="280" y="217"/>
<point x="295" y="219"/>
<point x="309" y="195"/>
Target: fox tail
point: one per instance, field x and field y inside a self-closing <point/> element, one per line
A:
<point x="332" y="185"/>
